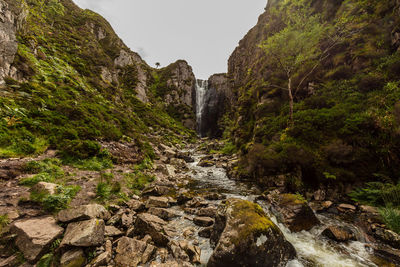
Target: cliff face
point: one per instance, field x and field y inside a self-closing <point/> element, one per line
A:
<point x="339" y="126"/>
<point x="218" y="98"/>
<point x="174" y="86"/>
<point x="66" y="79"/>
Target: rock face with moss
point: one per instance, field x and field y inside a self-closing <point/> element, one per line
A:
<point x="175" y="86"/>
<point x="346" y="112"/>
<point x="11" y="19"/>
<point x="69" y="81"/>
<point x="244" y="236"/>
<point x="294" y="212"/>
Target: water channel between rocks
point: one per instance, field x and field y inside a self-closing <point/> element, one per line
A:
<point x="312" y="249"/>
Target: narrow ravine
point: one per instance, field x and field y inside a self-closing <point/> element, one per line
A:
<point x="312" y="249"/>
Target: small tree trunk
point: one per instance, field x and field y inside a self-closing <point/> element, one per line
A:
<point x="291" y="122"/>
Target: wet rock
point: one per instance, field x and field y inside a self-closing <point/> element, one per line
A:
<point x="83" y="213"/>
<point x="152" y="225"/>
<point x="196" y="202"/>
<point x="346" y="208"/>
<point x="206" y="232"/>
<point x="177" y="251"/>
<point x="73" y="258"/>
<point x="45" y="188"/>
<point x="339" y="233"/>
<point x="112" y="231"/>
<point x="245" y="236"/>
<point x="215" y="196"/>
<point x="207" y="212"/>
<point x="205" y="163"/>
<point x="88" y="233"/>
<point x="131" y="252"/>
<point x="203" y="221"/>
<point x="157" y="202"/>
<point x="387" y="253"/>
<point x="387" y="236"/>
<point x="136" y="205"/>
<point x="185" y="156"/>
<point x="193" y="252"/>
<point x="164" y="214"/>
<point x="34" y="236"/>
<point x="171" y="171"/>
<point x="294" y="212"/>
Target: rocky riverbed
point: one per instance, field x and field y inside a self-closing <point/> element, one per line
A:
<point x="194" y="215"/>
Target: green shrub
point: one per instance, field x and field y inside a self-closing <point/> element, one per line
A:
<point x="48" y="170"/>
<point x="59" y="201"/>
<point x="138" y="180"/>
<point x="391" y="217"/>
<point x="4" y="221"/>
<point x="377" y="194"/>
<point x="80" y="149"/>
<point x="229" y="148"/>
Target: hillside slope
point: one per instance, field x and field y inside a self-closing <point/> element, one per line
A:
<point x="67" y="80"/>
<point x="346" y="114"/>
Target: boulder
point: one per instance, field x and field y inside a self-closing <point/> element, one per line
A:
<point x="45" y="188"/>
<point x="152" y="225"/>
<point x="157" y="202"/>
<point x="339" y="233"/>
<point x="131" y="252"/>
<point x="112" y="231"/>
<point x="73" y="258"/>
<point x="207" y="212"/>
<point x="85" y="212"/>
<point x="347" y="208"/>
<point x="206" y="232"/>
<point x="88" y="233"/>
<point x="205" y="163"/>
<point x="388" y="237"/>
<point x="136" y="205"/>
<point x="203" y="221"/>
<point x="164" y="214"/>
<point x="294" y="212"/>
<point x="244" y="236"/>
<point x="35" y="236"/>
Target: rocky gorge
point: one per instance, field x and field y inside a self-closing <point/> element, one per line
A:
<point x="106" y="161"/>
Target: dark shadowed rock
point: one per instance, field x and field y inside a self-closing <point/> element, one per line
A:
<point x="244" y="236"/>
<point x="203" y="221"/>
<point x="294" y="212"/>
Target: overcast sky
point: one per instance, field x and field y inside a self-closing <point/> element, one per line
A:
<point x="203" y="32"/>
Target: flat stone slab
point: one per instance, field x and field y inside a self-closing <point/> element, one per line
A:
<point x="83" y="213"/>
<point x="34" y="236"/>
<point x="88" y="233"/>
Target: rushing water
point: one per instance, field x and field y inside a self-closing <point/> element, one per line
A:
<point x="201" y="89"/>
<point x="312" y="249"/>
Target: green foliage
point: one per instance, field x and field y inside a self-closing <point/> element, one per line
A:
<point x="137" y="181"/>
<point x="47" y="170"/>
<point x="46" y="260"/>
<point x="59" y="201"/>
<point x="391" y="217"/>
<point x="4" y="221"/>
<point x="102" y="161"/>
<point x="378" y="194"/>
<point x="229" y="148"/>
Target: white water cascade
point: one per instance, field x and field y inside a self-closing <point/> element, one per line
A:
<point x="201" y="89"/>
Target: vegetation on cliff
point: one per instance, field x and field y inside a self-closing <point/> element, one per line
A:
<point x="73" y="92"/>
<point x="345" y="113"/>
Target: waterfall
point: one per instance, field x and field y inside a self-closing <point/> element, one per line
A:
<point x="201" y="89"/>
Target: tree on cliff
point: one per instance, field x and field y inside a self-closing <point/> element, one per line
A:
<point x="300" y="47"/>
